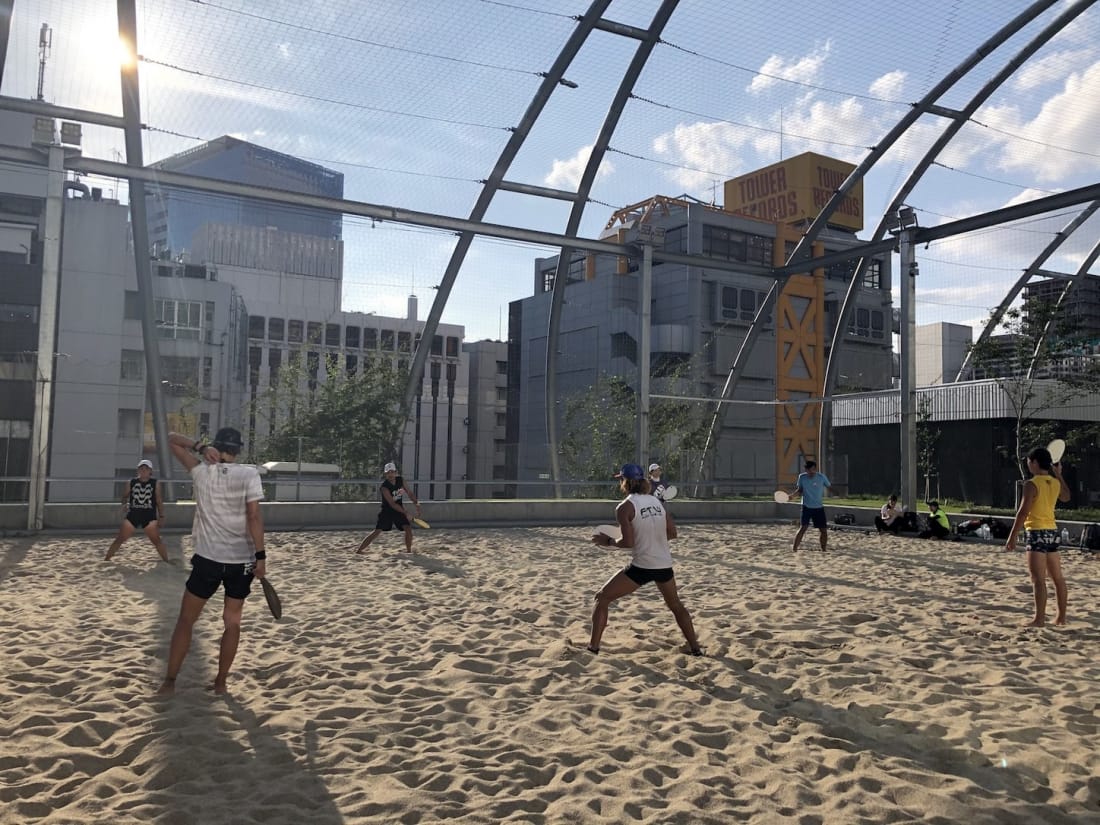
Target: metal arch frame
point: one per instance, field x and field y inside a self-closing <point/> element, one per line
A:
<point x="998" y="313"/>
<point x="801" y="251"/>
<point x="958" y="120"/>
<point x="586" y="24"/>
<point x="1071" y="284"/>
<point x="647" y="40"/>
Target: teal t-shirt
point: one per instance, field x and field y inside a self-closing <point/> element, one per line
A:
<point x="813" y="489"/>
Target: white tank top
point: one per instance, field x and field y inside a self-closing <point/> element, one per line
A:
<point x="651" y="549"/>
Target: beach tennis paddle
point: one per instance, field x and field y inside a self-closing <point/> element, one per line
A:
<point x="612" y="531"/>
<point x="274" y="603"/>
<point x="781" y="496"/>
<point x="1056" y="448"/>
<point x="670" y="492"/>
<point x="419" y="522"/>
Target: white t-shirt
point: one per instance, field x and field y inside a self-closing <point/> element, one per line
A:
<point x="651" y="549"/>
<point x="220" y="530"/>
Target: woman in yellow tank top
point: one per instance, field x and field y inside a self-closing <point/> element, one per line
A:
<point x="1036" y="516"/>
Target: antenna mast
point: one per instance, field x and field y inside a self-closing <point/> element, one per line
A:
<point x="45" y="42"/>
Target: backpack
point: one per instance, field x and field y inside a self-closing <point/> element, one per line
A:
<point x="845" y="518"/>
<point x="998" y="529"/>
<point x="1090" y="537"/>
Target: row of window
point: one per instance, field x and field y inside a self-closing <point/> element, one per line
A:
<point x="179" y="374"/>
<point x="868" y="323"/>
<point x="315" y="332"/>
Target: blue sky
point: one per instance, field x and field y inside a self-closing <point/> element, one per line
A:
<point x="412" y="99"/>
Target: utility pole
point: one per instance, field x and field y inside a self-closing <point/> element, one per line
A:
<point x="905" y="228"/>
<point x="648" y="236"/>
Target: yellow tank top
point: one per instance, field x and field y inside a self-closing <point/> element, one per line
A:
<point x="1041" y="515"/>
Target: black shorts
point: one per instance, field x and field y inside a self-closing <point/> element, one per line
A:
<point x="141" y="518"/>
<point x="207" y="575"/>
<point x="389" y="519"/>
<point x="816" y="515"/>
<point x="645" y="575"/>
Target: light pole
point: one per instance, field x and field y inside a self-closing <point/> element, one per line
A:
<point x="648" y="237"/>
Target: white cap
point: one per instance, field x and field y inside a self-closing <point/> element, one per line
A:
<point x="389" y="466"/>
<point x="146" y="463"/>
<point x="654" y="466"/>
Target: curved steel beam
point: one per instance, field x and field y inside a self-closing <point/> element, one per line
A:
<point x="999" y="313"/>
<point x="802" y="250"/>
<point x="1080" y="275"/>
<point x="959" y="119"/>
<point x="585" y="25"/>
<point x="647" y="41"/>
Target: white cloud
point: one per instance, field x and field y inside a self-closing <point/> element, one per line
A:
<point x="1049" y="69"/>
<point x="566" y="174"/>
<point x="805" y="69"/>
<point x="890" y="86"/>
<point x="284" y="50"/>
<point x="710" y="149"/>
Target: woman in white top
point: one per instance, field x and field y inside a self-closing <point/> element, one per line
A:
<point x="646" y="530"/>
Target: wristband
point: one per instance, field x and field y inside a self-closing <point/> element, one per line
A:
<point x="199" y="446"/>
<point x="261" y="555"/>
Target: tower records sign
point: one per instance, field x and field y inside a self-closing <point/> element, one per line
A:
<point x="795" y="190"/>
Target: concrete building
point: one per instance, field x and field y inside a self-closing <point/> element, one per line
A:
<point x="699" y="319"/>
<point x="487" y="457"/>
<point x="941" y="350"/>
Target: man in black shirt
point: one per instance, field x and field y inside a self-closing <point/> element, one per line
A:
<point x="392" y="515"/>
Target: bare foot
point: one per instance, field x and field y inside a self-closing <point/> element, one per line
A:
<point x="219" y="687"/>
<point x="1035" y="623"/>
<point x="167" y="687"/>
<point x="1060" y="622"/>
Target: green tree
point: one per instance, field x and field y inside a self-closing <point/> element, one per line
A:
<point x="928" y="439"/>
<point x="600" y="431"/>
<point x="335" y="417"/>
<point x="1039" y="363"/>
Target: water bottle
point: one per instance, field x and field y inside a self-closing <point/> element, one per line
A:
<point x="1065" y="537"/>
<point x="983" y="531"/>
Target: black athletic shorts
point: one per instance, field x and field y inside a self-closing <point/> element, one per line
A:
<point x="391" y="519"/>
<point x="207" y="575"/>
<point x="816" y="515"/>
<point x="141" y="518"/>
<point x="645" y="575"/>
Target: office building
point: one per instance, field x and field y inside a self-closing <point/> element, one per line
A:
<point x="941" y="350"/>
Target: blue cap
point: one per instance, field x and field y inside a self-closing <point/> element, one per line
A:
<point x="632" y="472"/>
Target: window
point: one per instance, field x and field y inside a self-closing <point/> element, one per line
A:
<point x="351" y="337"/>
<point x="502" y="419"/>
<point x="876" y="324"/>
<point x="452" y="346"/>
<point x="133" y="365"/>
<point x="313" y="332"/>
<point x="351" y="364"/>
<point x="872" y="275"/>
<point x="256" y="326"/>
<point x="131" y="306"/>
<point x="208" y="321"/>
<point x="748" y="304"/>
<point x="165" y="271"/>
<point x="437" y="345"/>
<point x="179" y="374"/>
<point x="502" y="367"/>
<point x="861" y="324"/>
<point x="332" y="335"/>
<point x="676" y="239"/>
<point x="548" y="276"/>
<point x="194" y="271"/>
<point x="733" y="245"/>
<point x="129" y="423"/>
<point x="502" y="394"/>
<point x="275" y="329"/>
<point x="404" y="342"/>
<point x="729" y="302"/>
<point x="207" y="371"/>
<point x="313" y="365"/>
<point x="370" y="338"/>
<point x="294" y="332"/>
<point x="178" y="319"/>
<point x="274" y="362"/>
<point x="388" y="340"/>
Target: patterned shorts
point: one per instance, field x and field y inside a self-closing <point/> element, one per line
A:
<point x="1043" y="541"/>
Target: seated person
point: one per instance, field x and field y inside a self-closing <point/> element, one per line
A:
<point x="890" y="516"/>
<point x="938" y="526"/>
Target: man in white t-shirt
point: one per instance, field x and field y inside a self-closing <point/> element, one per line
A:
<point x="228" y="534"/>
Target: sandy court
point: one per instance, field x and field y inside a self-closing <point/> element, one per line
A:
<point x="884" y="681"/>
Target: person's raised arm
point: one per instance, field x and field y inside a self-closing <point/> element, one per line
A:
<point x="1064" y="494"/>
<point x="184" y="448"/>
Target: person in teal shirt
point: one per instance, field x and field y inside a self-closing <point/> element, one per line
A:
<point x="811" y="486"/>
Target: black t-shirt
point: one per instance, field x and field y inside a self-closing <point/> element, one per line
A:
<point x="143" y="494"/>
<point x="397" y="490"/>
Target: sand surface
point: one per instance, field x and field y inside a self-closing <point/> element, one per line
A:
<point x="887" y="680"/>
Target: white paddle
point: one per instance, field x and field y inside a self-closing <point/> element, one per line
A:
<point x="610" y="530"/>
<point x="1056" y="448"/>
<point x="670" y="492"/>
<point x="781" y="496"/>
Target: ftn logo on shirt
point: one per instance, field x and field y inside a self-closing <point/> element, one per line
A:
<point x="650" y="512"/>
